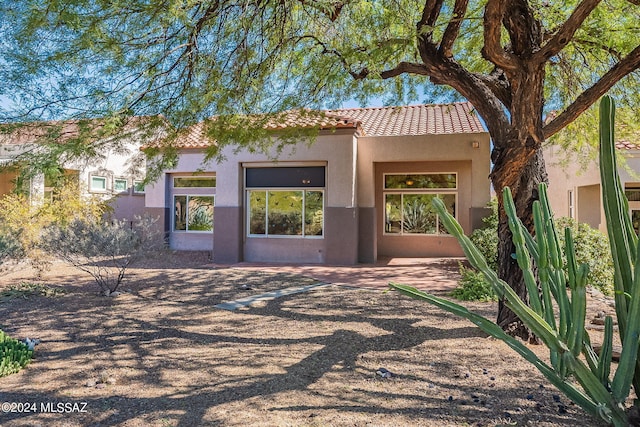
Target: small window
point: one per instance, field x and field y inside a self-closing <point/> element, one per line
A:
<point x="632" y="193"/>
<point x="98" y="183"/>
<point x="194" y="182"/>
<point x="138" y="186"/>
<point x="120" y="185"/>
<point x="193" y="213"/>
<point x="425" y="181"/>
<point x="572" y="205"/>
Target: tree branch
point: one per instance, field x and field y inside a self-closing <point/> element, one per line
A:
<point x="565" y="33"/>
<point x="492" y="50"/>
<point x="453" y="28"/>
<point x="627" y="65"/>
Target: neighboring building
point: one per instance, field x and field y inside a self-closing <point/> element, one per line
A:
<point x="575" y="191"/>
<point x="361" y="191"/>
<point x="116" y="174"/>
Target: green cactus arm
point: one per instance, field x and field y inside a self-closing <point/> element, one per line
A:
<point x="522" y="255"/>
<point x="472" y="253"/>
<point x="606" y="352"/>
<point x="621" y="384"/>
<point x="578" y="311"/>
<point x="541" y="258"/>
<point x="570" y="390"/>
<point x="622" y="239"/>
<point x="607" y="409"/>
<point x="532" y="319"/>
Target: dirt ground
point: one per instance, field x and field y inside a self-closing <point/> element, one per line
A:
<point x="160" y="354"/>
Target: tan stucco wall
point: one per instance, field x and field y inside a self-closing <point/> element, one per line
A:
<point x="351" y="161"/>
<point x="432" y="148"/>
<point x="336" y="150"/>
<point x="583" y="178"/>
<point x="6" y="182"/>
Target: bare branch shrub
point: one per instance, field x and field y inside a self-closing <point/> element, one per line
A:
<point x="103" y="250"/>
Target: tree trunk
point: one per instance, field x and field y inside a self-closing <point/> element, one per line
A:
<point x="525" y="192"/>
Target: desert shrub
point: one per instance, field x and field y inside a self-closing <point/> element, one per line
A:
<point x="590" y="245"/>
<point x="24" y="290"/>
<point x="592" y="248"/>
<point x="102" y="249"/>
<point x="10" y="247"/>
<point x="473" y="286"/>
<point x="486" y="238"/>
<point x="24" y="219"/>
<point x="14" y="355"/>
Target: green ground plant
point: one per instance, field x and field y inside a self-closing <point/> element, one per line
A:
<point x="473" y="286"/>
<point x="592" y="248"/>
<point x="557" y="316"/>
<point x="591" y="245"/>
<point x="25" y="290"/>
<point x="14" y="355"/>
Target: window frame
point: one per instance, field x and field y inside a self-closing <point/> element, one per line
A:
<point x="98" y="190"/>
<point x="194" y="178"/>
<point x="126" y="180"/>
<point x="173" y="213"/>
<point x="384" y="181"/>
<point x="133" y="187"/>
<point x="266" y="234"/>
<point x="418" y="191"/>
<point x="304" y="186"/>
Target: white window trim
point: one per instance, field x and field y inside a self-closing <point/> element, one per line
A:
<point x="120" y="178"/>
<point x="403" y="193"/>
<point x="173" y="213"/>
<point x="98" y="190"/>
<point x="133" y="187"/>
<point x="266" y="235"/>
<point x="193" y="177"/>
<point x="572" y="204"/>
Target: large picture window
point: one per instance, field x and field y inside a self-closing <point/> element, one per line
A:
<point x="281" y="203"/>
<point x="407" y="201"/>
<point x="286" y="213"/>
<point x="193" y="213"/>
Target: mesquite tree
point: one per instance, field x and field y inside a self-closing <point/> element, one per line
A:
<point x="515" y="60"/>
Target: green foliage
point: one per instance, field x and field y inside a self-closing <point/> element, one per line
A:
<point x="14" y="355"/>
<point x="103" y="250"/>
<point x="9" y="246"/>
<point x="24" y="290"/>
<point x="473" y="286"/>
<point x="592" y="248"/>
<point x="22" y="220"/>
<point x="486" y="238"/>
<point x="575" y="368"/>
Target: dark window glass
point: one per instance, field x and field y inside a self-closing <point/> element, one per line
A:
<point x="283" y="177"/>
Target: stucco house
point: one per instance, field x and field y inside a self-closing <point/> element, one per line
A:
<point x="360" y="191"/>
<point x="116" y="174"/>
<point x="575" y="191"/>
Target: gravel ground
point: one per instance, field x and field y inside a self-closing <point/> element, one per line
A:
<point x="161" y="355"/>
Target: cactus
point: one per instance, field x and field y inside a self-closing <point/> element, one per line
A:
<point x="575" y="368"/>
<point x="14" y="355"/>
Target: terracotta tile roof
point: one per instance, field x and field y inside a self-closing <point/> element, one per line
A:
<point x="626" y="145"/>
<point x="309" y="119"/>
<point x="372" y="121"/>
<point x="416" y="119"/>
<point x="32" y="132"/>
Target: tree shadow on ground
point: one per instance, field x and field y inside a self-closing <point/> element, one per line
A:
<point x="197" y="359"/>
